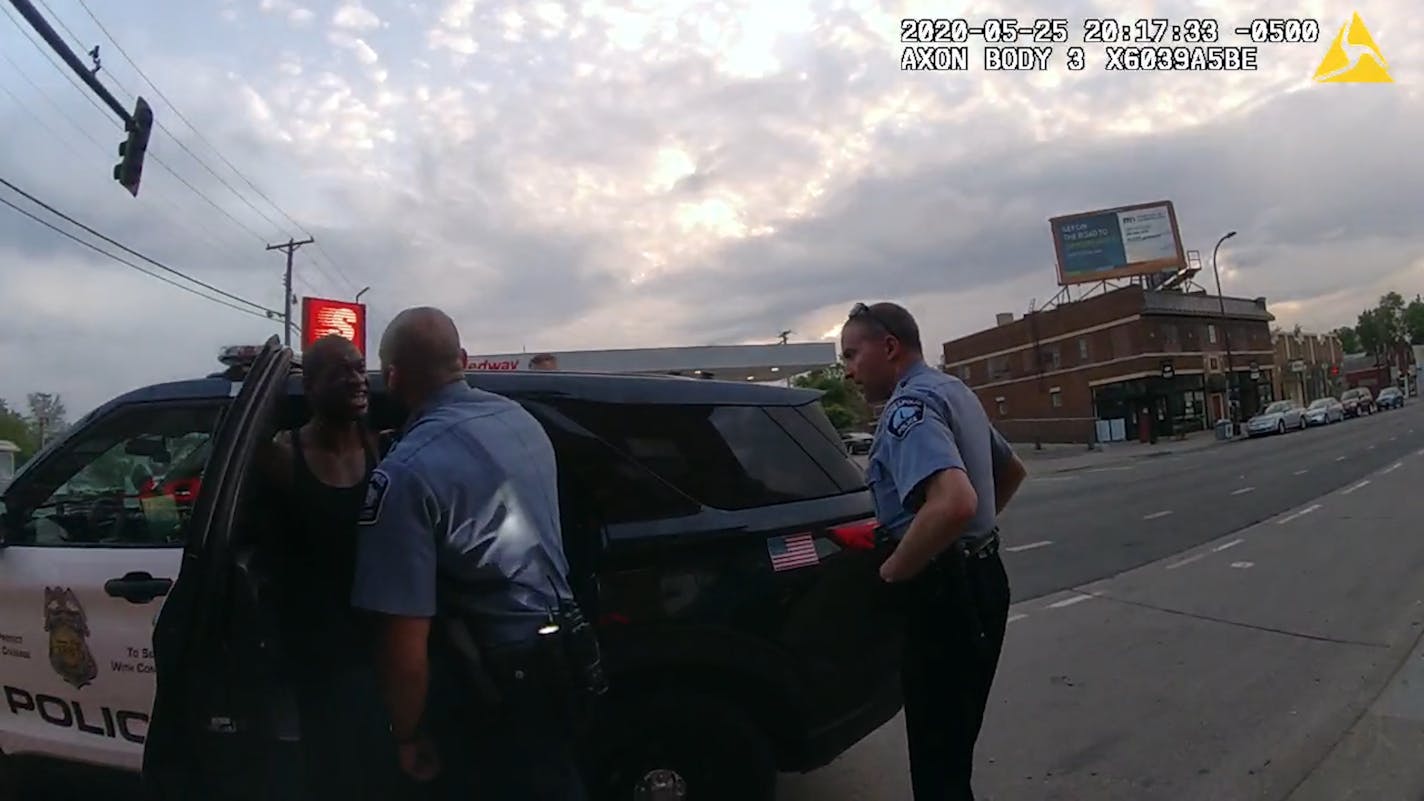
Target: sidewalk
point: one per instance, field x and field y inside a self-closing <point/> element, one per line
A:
<point x="1062" y="458"/>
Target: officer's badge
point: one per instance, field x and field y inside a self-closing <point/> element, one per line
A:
<point x="68" y="629"/>
<point x="375" y="496"/>
<point x="904" y="414"/>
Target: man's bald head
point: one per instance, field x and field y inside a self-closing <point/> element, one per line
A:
<point x="424" y="345"/>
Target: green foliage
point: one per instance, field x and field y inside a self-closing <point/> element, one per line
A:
<point x="1414" y="320"/>
<point x="841" y="398"/>
<point x="1349" y="340"/>
<point x="15" y="428"/>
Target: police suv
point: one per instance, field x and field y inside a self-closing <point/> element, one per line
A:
<point x="717" y="532"/>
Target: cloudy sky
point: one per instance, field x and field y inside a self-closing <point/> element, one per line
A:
<point x="562" y="175"/>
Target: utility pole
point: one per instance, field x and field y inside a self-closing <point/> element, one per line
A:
<point x="1231" y="390"/>
<point x="290" y="247"/>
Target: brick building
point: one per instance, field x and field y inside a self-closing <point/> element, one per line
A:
<point x="1310" y="366"/>
<point x="1128" y="364"/>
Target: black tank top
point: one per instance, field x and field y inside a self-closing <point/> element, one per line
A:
<point x="321" y="558"/>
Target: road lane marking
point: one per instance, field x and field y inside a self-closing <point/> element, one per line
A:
<point x="1110" y="469"/>
<point x="1225" y="545"/>
<point x="1076" y="599"/>
<point x="1392" y="468"/>
<point x="1156" y="515"/>
<point x="1054" y="478"/>
<point x="1186" y="561"/>
<point x="1302" y="472"/>
<point x="1353" y="487"/>
<point x="1392" y="439"/>
<point x="1339" y="458"/>
<point x="1302" y="513"/>
<point x="1243" y="490"/>
<point x="1030" y="546"/>
<point x="1242" y="565"/>
<point x="1012" y="618"/>
<point x="1370" y="448"/>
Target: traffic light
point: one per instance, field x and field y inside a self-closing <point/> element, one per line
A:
<point x="128" y="171"/>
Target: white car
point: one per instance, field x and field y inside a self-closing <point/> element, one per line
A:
<point x="1278" y="418"/>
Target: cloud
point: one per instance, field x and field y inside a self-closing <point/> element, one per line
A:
<point x="355" y="17"/>
<point x="614" y="174"/>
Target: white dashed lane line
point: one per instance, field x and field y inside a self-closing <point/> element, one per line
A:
<point x="1302" y="472"/>
<point x="1392" y="468"/>
<point x="1339" y="458"/>
<point x="1012" y="618"/>
<point x="1302" y="513"/>
<point x="1243" y="490"/>
<point x="1029" y="546"/>
<point x="1353" y="487"/>
<point x="1225" y="545"/>
<point x="1187" y="561"/>
<point x="1076" y="599"/>
<point x="1156" y="515"/>
<point x="1242" y="565"/>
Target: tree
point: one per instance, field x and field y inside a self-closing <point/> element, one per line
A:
<point x="46" y="416"/>
<point x="14" y="428"/>
<point x="840" y="397"/>
<point x="1372" y="332"/>
<point x="1414" y="320"/>
<point x="1349" y="340"/>
<point x="1390" y="312"/>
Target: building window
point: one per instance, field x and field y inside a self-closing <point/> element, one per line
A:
<point x="1003" y="406"/>
<point x="1051" y="357"/>
<point x="1082" y="349"/>
<point x="999" y="368"/>
<point x="1169" y="336"/>
<point x="1055" y="397"/>
<point x="966" y="372"/>
<point x="1213" y="364"/>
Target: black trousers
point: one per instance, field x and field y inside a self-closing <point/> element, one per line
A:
<point x="956" y="615"/>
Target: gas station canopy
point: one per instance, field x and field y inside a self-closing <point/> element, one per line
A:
<point x="757" y="363"/>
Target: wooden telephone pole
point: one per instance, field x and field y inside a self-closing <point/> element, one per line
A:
<point x="290" y="247"/>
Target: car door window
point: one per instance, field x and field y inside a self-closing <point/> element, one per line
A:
<point x="130" y="479"/>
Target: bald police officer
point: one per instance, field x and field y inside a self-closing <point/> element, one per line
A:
<point x="461" y="524"/>
<point x="939" y="475"/>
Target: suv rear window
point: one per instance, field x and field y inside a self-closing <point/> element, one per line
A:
<point x="727" y="457"/>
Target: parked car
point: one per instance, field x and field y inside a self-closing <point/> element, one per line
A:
<point x="1324" y="412"/>
<point x="716" y="531"/>
<point x="1358" y="402"/>
<point x="1277" y="418"/>
<point x="857" y="442"/>
<point x="1390" y="398"/>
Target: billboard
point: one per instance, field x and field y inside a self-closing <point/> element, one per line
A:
<point x="1114" y="243"/>
<point x="322" y="316"/>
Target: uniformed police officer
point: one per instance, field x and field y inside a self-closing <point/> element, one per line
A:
<point x="939" y="475"/>
<point x="461" y="527"/>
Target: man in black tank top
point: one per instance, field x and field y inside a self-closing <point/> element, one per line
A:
<point x="322" y="469"/>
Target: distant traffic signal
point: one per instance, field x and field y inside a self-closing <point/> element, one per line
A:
<point x="128" y="171"/>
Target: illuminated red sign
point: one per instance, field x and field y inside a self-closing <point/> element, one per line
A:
<point x="322" y="316"/>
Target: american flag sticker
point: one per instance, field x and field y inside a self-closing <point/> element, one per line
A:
<point x="791" y="552"/>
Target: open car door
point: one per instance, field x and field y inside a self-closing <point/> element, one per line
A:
<point x="223" y="725"/>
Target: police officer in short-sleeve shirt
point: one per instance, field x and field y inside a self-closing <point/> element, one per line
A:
<point x="939" y="475"/>
<point x="461" y="521"/>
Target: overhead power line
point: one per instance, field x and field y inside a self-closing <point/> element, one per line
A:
<point x="128" y="263"/>
<point x="199" y="134"/>
<point x="131" y="251"/>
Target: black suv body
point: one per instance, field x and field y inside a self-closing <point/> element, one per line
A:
<point x="678" y="500"/>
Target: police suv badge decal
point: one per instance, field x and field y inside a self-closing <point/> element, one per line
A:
<point x="375" y="496"/>
<point x="903" y="415"/>
<point x="68" y="629"/>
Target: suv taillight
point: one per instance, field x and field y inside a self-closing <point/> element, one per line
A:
<point x="857" y="536"/>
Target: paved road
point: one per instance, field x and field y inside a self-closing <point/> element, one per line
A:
<point x="1194" y="654"/>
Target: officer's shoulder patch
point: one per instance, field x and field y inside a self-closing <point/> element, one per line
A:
<point x="902" y="415"/>
<point x="375" y="497"/>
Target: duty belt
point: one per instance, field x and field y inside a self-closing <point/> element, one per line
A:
<point x="982" y="548"/>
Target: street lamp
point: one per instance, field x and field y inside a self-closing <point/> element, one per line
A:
<point x="1226" y="334"/>
<point x="363" y="291"/>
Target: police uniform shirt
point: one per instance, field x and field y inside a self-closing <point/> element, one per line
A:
<point x="933" y="422"/>
<point x="469" y="494"/>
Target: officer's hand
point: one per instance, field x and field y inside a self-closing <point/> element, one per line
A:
<point x="419" y="759"/>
